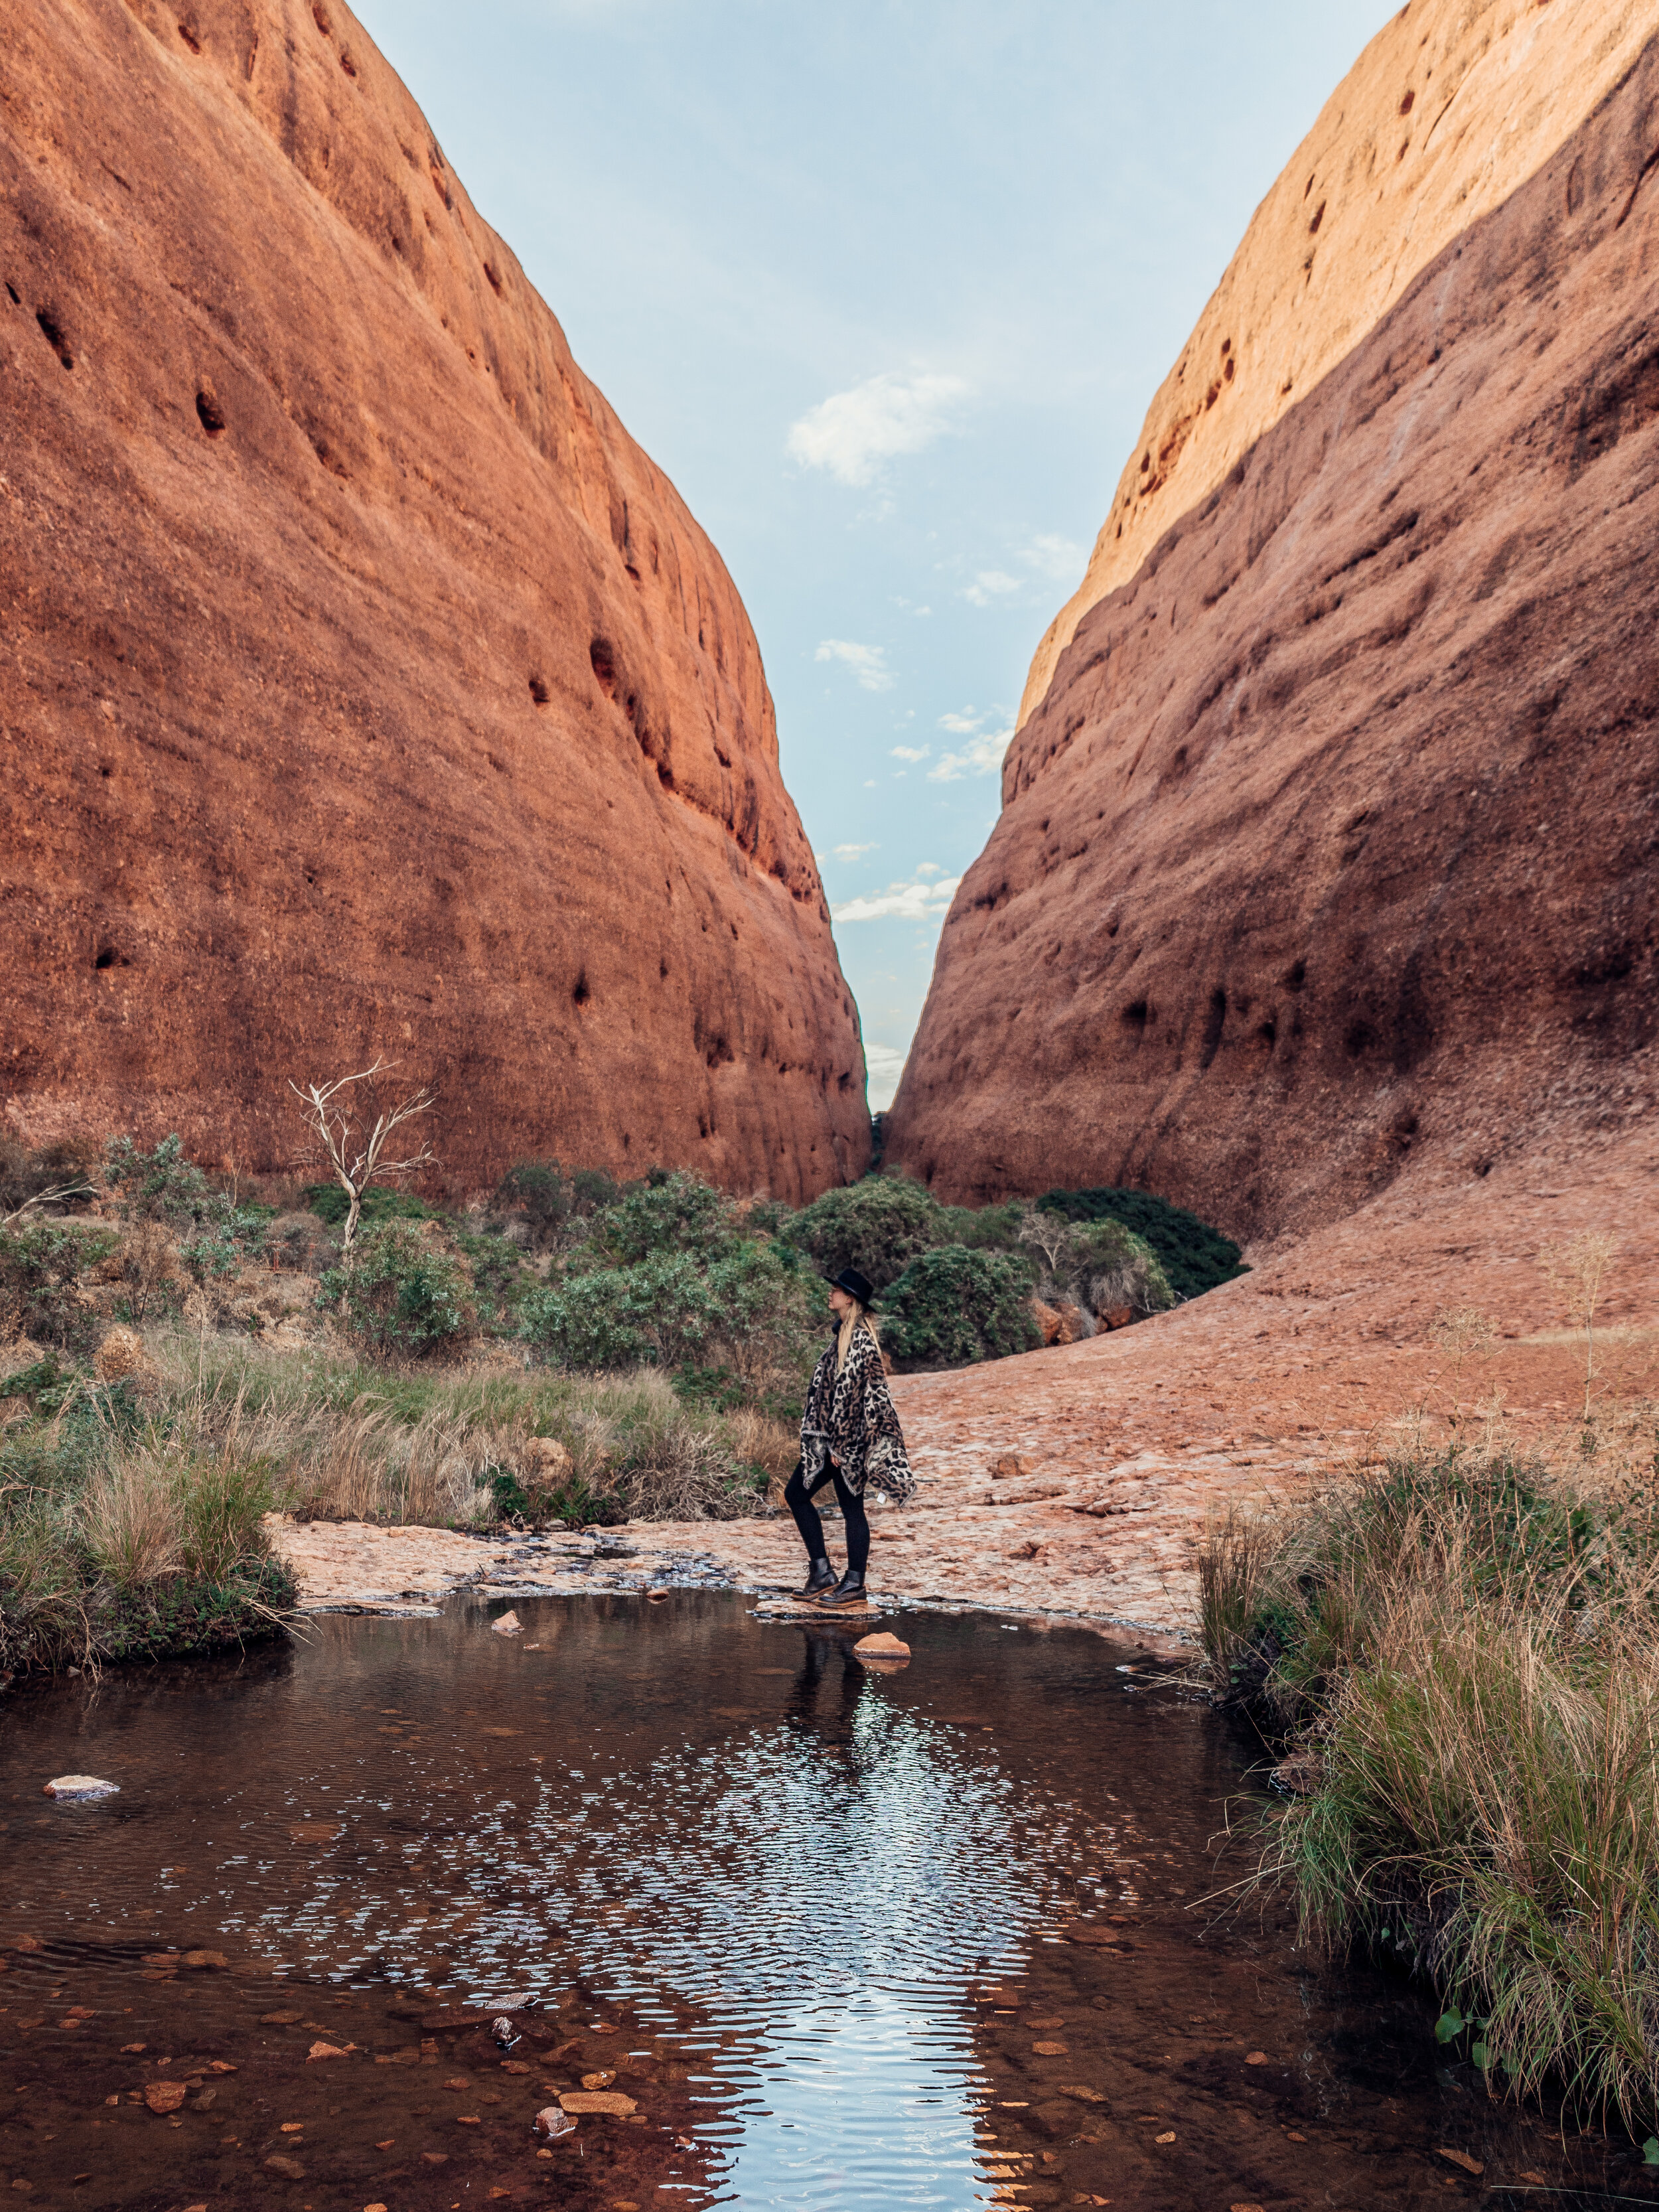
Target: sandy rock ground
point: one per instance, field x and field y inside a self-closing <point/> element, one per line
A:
<point x="1078" y="1480"/>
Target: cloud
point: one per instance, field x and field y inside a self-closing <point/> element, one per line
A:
<point x="914" y="902"/>
<point x="963" y="724"/>
<point x="1061" y="558"/>
<point x="852" y="433"/>
<point x="990" y="584"/>
<point x="981" y="756"/>
<point x="854" y="851"/>
<point x="911" y="752"/>
<point x="929" y="868"/>
<point x="867" y="662"/>
<point x="885" y="1064"/>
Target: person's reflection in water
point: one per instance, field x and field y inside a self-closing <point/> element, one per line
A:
<point x="826" y="1714"/>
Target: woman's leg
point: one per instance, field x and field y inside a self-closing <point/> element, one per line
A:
<point x="798" y="1500"/>
<point x="858" y="1526"/>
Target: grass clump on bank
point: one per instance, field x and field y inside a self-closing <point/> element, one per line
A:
<point x="1460" y="1656"/>
<point x="129" y="1531"/>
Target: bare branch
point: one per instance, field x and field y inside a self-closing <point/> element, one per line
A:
<point x="48" y="1198"/>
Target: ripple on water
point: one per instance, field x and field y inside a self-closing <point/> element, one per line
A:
<point x="797" y="1875"/>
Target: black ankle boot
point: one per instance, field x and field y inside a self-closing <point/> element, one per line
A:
<point x="849" y="1590"/>
<point x="820" y="1579"/>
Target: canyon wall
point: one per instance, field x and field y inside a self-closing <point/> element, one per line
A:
<point x="367" y="689"/>
<point x="1330" y="843"/>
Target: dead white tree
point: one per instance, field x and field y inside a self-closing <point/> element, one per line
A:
<point x="1051" y="1233"/>
<point x="357" y="1147"/>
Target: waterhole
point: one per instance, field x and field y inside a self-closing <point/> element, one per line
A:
<point x="948" y="1936"/>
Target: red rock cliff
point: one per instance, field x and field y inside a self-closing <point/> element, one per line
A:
<point x="1330" y="843"/>
<point x="365" y="688"/>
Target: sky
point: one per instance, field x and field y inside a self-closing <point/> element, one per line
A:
<point x="886" y="289"/>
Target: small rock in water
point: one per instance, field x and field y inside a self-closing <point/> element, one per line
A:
<point x="289" y="2168"/>
<point x="208" y="1962"/>
<point x="164" y="2096"/>
<point x="1256" y="2059"/>
<point x="324" y="2051"/>
<point x="552" y="2122"/>
<point x="504" y="2033"/>
<point x="881" y="1646"/>
<point x="598" y="2100"/>
<point x="74" y="1787"/>
<point x="1460" y="2158"/>
<point x="602" y="2080"/>
<point x="508" y="1625"/>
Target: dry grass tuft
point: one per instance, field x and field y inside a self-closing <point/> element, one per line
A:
<point x="1466" y="1650"/>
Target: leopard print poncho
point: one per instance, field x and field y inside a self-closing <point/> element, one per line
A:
<point x="854" y="1409"/>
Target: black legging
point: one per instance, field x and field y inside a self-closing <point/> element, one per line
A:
<point x="799" y="1498"/>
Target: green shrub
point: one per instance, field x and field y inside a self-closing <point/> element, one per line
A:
<point x="878" y="1226"/>
<point x="404" y="1296"/>
<point x="1194" y="1257"/>
<point x="500" y="1278"/>
<point x="666" y="1213"/>
<point x="329" y="1202"/>
<point x="953" y="1306"/>
<point x="746" y="1310"/>
<point x="216" y="1234"/>
<point x="41" y="1262"/>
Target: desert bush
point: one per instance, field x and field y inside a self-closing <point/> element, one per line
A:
<point x="550" y="1205"/>
<point x="380" y="1202"/>
<point x="216" y="1234"/>
<point x="747" y="1310"/>
<point x="878" y="1226"/>
<point x="953" y="1306"/>
<point x="400" y="1295"/>
<point x="1193" y="1256"/>
<point x="1467" y="1650"/>
<point x="664" y="1214"/>
<point x="42" y="1265"/>
<point x="1095" y="1267"/>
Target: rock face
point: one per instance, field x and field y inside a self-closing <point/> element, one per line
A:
<point x="367" y="689"/>
<point x="1331" y="843"/>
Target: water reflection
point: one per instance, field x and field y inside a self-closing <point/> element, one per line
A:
<point x="831" y="1898"/>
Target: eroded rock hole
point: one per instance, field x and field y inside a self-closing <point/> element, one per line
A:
<point x="490" y="271"/>
<point x="346" y="63"/>
<point x="1214" y="1022"/>
<point x="1296" y="976"/>
<point x="16" y="296"/>
<point x="1318" y="217"/>
<point x="1408" y="100"/>
<point x="52" y="331"/>
<point x="1137" y="1013"/>
<point x="209" y="413"/>
<point x="319" y="16"/>
<point x="581" y="994"/>
<point x="604" y="661"/>
<point x="107" y="957"/>
<point x="187" y="33"/>
<point x="538" y="692"/>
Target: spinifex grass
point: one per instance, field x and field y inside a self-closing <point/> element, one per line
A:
<point x="1466" y="1654"/>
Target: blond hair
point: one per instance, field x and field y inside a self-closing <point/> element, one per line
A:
<point x="849" y="1328"/>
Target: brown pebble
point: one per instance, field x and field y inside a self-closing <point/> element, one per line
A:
<point x="164" y="2096"/>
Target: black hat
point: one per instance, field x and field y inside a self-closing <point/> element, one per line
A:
<point x="855" y="1285"/>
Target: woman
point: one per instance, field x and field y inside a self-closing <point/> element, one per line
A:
<point x="849" y="1435"/>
